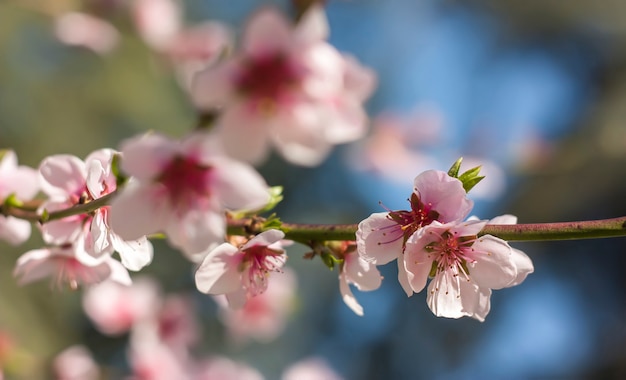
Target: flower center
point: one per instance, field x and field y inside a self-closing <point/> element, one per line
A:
<point x="421" y="214"/>
<point x="269" y="79"/>
<point x="258" y="262"/>
<point x="186" y="181"/>
<point x="451" y="253"/>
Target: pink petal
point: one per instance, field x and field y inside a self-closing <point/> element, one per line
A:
<point x="239" y="186"/>
<point x="417" y="262"/>
<point x="403" y="278"/>
<point x="33" y="266"/>
<point x="364" y="275"/>
<point x="268" y="31"/>
<point x="445" y="295"/>
<point x="523" y="264"/>
<point x="218" y="273"/>
<point x="504" y="219"/>
<point x="214" y="87"/>
<point x="446" y="194"/>
<point x="135" y="254"/>
<point x="265" y="238"/>
<point x="348" y="297"/>
<point x="379" y="239"/>
<point x="196" y="233"/>
<point x="359" y="80"/>
<point x="299" y="136"/>
<point x="22" y="181"/>
<point x="138" y="211"/>
<point x="62" y="231"/>
<point x="63" y="175"/>
<point x="13" y="230"/>
<point x="238" y="120"/>
<point x="494" y="267"/>
<point x="144" y="156"/>
<point x="98" y="242"/>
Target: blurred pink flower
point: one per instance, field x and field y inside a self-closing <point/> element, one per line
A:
<point x="153" y="360"/>
<point x="221" y="368"/>
<point x="264" y="316"/>
<point x="182" y="188"/>
<point x="310" y="369"/>
<point x="157" y="21"/>
<point x="436" y="196"/>
<point x="75" y="363"/>
<point x="68" y="181"/>
<point x="68" y="264"/>
<point x="115" y="309"/>
<point x="21" y="182"/>
<point x="81" y="29"/>
<point x="286" y="87"/>
<point x="241" y="273"/>
<point x="464" y="267"/>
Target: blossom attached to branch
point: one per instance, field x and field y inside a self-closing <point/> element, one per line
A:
<point x="241" y="273"/>
<point x="69" y="181"/>
<point x="182" y="188"/>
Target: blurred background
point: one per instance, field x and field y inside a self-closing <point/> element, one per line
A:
<point x="535" y="91"/>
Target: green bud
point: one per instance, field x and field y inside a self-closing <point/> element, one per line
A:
<point x="120" y="179"/>
<point x="469" y="178"/>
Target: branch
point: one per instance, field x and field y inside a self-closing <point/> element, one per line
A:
<point x="592" y="229"/>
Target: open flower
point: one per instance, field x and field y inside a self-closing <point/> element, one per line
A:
<point x="286" y="87"/>
<point x="436" y="196"/>
<point x="242" y="273"/>
<point x="69" y="181"/>
<point x="68" y="264"/>
<point x="21" y="182"/>
<point x="464" y="267"/>
<point x="182" y="188"/>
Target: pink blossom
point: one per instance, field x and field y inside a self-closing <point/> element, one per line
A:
<point x="221" y="368"/>
<point x="176" y="322"/>
<point x="286" y="87"/>
<point x="75" y="363"/>
<point x="68" y="264"/>
<point x="182" y="188"/>
<point x="21" y="182"/>
<point x="157" y="21"/>
<point x="356" y="271"/>
<point x="81" y="29"/>
<point x="263" y="317"/>
<point x="153" y="360"/>
<point x="464" y="267"/>
<point x="241" y="273"/>
<point x="115" y="308"/>
<point x="69" y="181"/>
<point x="310" y="369"/>
<point x="436" y="196"/>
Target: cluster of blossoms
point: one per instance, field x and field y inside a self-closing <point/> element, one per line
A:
<point x="286" y="88"/>
<point x="432" y="240"/>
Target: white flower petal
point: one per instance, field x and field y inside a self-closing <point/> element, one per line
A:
<point x="379" y="239"/>
<point x="267" y="32"/>
<point x="364" y="275"/>
<point x="13" y="230"/>
<point x="239" y="120"/>
<point x="494" y="267"/>
<point x="523" y="264"/>
<point x="63" y="174"/>
<point x="239" y="186"/>
<point x="139" y="210"/>
<point x="145" y="156"/>
<point x="196" y="233"/>
<point x="348" y="297"/>
<point x="135" y="254"/>
<point x="218" y="273"/>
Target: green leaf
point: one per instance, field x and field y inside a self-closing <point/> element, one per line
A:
<point x="454" y="169"/>
<point x="12" y="201"/>
<point x="45" y="216"/>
